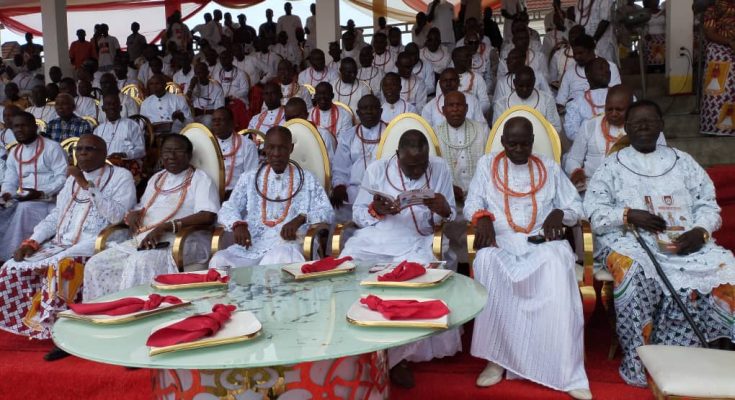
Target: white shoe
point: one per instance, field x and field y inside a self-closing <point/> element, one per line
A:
<point x="580" y="394"/>
<point x="492" y="374"/>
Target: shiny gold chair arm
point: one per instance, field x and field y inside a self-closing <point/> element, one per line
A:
<point x="101" y="242"/>
<point x="589" y="251"/>
<point x="181" y="236"/>
<point x="336" y="237"/>
<point x="438" y="240"/>
<point x="311" y="234"/>
<point x="471" y="252"/>
<point x="217" y="234"/>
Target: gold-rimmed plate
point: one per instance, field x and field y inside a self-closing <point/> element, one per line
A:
<point x="360" y="315"/>
<point x="432" y="277"/>
<point x="196" y="285"/>
<point x="242" y="326"/>
<point x="121" y="319"/>
<point x="295" y="270"/>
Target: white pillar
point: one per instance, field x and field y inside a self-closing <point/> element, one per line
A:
<point x="679" y="33"/>
<point x="380" y="9"/>
<point x="327" y="23"/>
<point x="55" y="36"/>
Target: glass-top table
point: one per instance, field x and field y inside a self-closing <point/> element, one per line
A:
<point x="303" y="321"/>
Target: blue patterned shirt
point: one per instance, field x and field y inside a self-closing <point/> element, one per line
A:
<point x="59" y="130"/>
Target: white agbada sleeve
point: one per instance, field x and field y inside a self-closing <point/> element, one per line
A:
<point x="135" y="138"/>
<point x="235" y="208"/>
<point x="577" y="154"/>
<point x="342" y="162"/>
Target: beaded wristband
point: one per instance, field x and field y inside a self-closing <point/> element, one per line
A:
<point x="625" y="215"/>
<point x="373" y="213"/>
<point x="482" y="214"/>
<point x="32" y="244"/>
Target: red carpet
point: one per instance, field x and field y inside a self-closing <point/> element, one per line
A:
<point x="24" y="375"/>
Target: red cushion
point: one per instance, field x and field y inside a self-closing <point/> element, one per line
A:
<point x="723" y="176"/>
<point x="725" y="236"/>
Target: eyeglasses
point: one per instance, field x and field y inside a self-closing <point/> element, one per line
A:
<point x="174" y="152"/>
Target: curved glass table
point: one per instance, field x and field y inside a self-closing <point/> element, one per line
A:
<point x="306" y="342"/>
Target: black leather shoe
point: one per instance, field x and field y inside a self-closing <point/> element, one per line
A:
<point x="55" y="354"/>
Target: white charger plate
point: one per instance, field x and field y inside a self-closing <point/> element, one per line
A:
<point x="295" y="270"/>
<point x="119" y="319"/>
<point x="432" y="277"/>
<point x="196" y="285"/>
<point x="359" y="314"/>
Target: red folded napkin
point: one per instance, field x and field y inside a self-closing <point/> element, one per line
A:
<point x="325" y="264"/>
<point x="178" y="279"/>
<point x="123" y="306"/>
<point x="192" y="328"/>
<point x="403" y="272"/>
<point x="406" y="309"/>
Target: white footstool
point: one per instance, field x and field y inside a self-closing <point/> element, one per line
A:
<point x="685" y="372"/>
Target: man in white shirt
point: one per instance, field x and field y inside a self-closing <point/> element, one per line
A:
<point x="317" y="71"/>
<point x="40" y="108"/>
<point x="289" y="23"/>
<point x="107" y="48"/>
<point x="310" y="27"/>
<point x="515" y="61"/>
<point x="167" y="112"/>
<point x="327" y="115"/>
<point x="347" y="89"/>
<point x="108" y="85"/>
<point x="393" y="105"/>
<point x="34" y="174"/>
<point x="239" y="152"/>
<point x="290" y="87"/>
<point x="596" y="17"/>
<point x="123" y="136"/>
<point x="525" y="94"/>
<point x="592" y="102"/>
<point x="182" y="77"/>
<point x="235" y="82"/>
<point x="287" y="50"/>
<point x="440" y="13"/>
<point x="206" y="95"/>
<point x="510" y="10"/>
<point x="534" y="58"/>
<point x="28" y="79"/>
<point x="420" y="30"/>
<point x="575" y="82"/>
<point x="355" y="151"/>
<point x="421" y="70"/>
<point x="273" y="115"/>
<point x="296" y="108"/>
<point x="481" y="63"/>
<point x="350" y="47"/>
<point x="266" y="58"/>
<point x="413" y="89"/>
<point x="433" y="112"/>
<point x="469" y="81"/>
<point x="435" y="53"/>
<point x="368" y="72"/>
<point x="394" y="40"/>
<point x="383" y="58"/>
<point x="83" y="106"/>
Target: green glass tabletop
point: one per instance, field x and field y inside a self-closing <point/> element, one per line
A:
<point x="302" y="321"/>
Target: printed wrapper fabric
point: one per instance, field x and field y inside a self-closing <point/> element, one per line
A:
<point x="718" y="100"/>
<point x="647" y="315"/>
<point x="655" y="50"/>
<point x="33" y="298"/>
<point x="134" y="166"/>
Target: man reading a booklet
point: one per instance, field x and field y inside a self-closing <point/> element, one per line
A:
<point x="532" y="324"/>
<point x="46" y="270"/>
<point x="270" y="209"/>
<point x="666" y="196"/>
<point x="390" y="232"/>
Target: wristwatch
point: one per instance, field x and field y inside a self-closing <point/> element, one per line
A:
<point x="705" y="234"/>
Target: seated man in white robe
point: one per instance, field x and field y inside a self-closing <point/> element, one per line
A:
<point x="167" y="112"/>
<point x="413" y="90"/>
<point x="481" y="63"/>
<point x="109" y="87"/>
<point x="534" y="59"/>
<point x="184" y="71"/>
<point x="235" y="83"/>
<point x="525" y="94"/>
<point x="273" y="115"/>
<point x="462" y="141"/>
<point x="574" y="83"/>
<point x="421" y="70"/>
<point x="290" y="87"/>
<point x="355" y="151"/>
<point x="265" y="58"/>
<point x="239" y="152"/>
<point x="393" y="105"/>
<point x="435" y="53"/>
<point x="592" y="102"/>
<point x="327" y="115"/>
<point x="666" y="196"/>
<point x="83" y="106"/>
<point x="515" y="200"/>
<point x="317" y="71"/>
<point x="505" y="83"/>
<point x="383" y="58"/>
<point x="389" y="234"/>
<point x="597" y="136"/>
<point x="123" y="136"/>
<point x="336" y="53"/>
<point x="433" y="112"/>
<point x="176" y="197"/>
<point x="347" y="88"/>
<point x="51" y="261"/>
<point x="394" y="40"/>
<point x="270" y="209"/>
<point x="206" y="95"/>
<point x="296" y="108"/>
<point x="562" y="57"/>
<point x="369" y="73"/>
<point x="6" y="133"/>
<point x="40" y="108"/>
<point x="34" y="174"/>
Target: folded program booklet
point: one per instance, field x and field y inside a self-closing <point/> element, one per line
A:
<point x="405" y="199"/>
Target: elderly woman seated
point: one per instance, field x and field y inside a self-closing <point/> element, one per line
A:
<point x="175" y="198"/>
